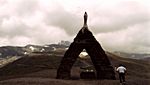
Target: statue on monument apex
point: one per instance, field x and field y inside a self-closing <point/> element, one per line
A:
<point x="86" y="40"/>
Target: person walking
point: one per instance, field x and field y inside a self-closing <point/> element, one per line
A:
<point x="121" y="70"/>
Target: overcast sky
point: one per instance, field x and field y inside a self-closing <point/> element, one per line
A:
<point x="119" y="25"/>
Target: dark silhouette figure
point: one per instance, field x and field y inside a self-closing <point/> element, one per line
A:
<point x="85" y="40"/>
<point x="121" y="70"/>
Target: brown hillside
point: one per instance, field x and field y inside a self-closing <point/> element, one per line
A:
<point x="45" y="66"/>
<point x="135" y="68"/>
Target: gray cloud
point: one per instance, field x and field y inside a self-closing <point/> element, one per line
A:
<point x="26" y="7"/>
<point x="119" y="23"/>
<point x="27" y="21"/>
<point x="71" y="23"/>
<point x="133" y="39"/>
<point x="119" y="26"/>
<point x="120" y="17"/>
<point x="11" y="28"/>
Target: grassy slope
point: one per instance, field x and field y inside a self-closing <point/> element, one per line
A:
<point x="135" y="68"/>
<point x="42" y="67"/>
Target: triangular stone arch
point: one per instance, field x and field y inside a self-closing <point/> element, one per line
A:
<point x="86" y="40"/>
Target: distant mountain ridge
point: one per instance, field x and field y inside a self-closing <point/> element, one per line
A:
<point x="6" y="51"/>
<point x="132" y="55"/>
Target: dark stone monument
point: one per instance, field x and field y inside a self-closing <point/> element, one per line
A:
<point x="87" y="74"/>
<point x="85" y="40"/>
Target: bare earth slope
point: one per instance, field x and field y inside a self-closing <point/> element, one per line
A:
<point x="41" y="70"/>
